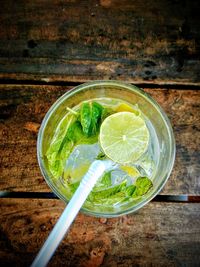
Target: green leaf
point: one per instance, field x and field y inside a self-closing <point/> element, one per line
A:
<point x="59" y="148"/>
<point x="106" y="179"/>
<point x="75" y="132"/>
<point x="55" y="168"/>
<point x="85" y="118"/>
<point x="143" y="185"/>
<point x="90" y="118"/>
<point x="112" y="200"/>
<point x="59" y="138"/>
<point x="53" y="156"/>
<point x="129" y="190"/>
<point x="89" y="140"/>
<point x="104" y="182"/>
<point x="107" y="192"/>
<point x="56" y="158"/>
<point x="66" y="150"/>
<point x="96" y="111"/>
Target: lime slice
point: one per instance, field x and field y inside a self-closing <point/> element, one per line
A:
<point x="124" y="137"/>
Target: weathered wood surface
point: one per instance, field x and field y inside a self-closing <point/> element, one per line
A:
<point x="140" y="41"/>
<point x="159" y="234"/>
<point x="24" y="106"/>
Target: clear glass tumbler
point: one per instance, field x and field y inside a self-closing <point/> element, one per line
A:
<point x="124" y="92"/>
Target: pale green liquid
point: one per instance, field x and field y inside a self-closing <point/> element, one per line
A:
<point x="83" y="155"/>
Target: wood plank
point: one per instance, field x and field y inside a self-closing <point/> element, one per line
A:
<point x="140" y="41"/>
<point x="159" y="234"/>
<point x="20" y="106"/>
<point x="24" y="106"/>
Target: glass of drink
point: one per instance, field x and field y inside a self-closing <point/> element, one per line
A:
<point x="107" y="120"/>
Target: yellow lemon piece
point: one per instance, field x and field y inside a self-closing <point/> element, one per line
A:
<point x="124" y="137"/>
<point x="130" y="170"/>
<point x="126" y="107"/>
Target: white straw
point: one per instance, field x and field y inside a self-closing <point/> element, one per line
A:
<point x="95" y="171"/>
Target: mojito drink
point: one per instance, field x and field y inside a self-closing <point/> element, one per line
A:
<point x="105" y="128"/>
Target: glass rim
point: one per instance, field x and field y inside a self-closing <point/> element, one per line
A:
<point x="131" y="88"/>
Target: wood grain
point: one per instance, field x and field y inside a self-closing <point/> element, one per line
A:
<point x="140" y="41"/>
<point x="159" y="234"/>
<point x="23" y="108"/>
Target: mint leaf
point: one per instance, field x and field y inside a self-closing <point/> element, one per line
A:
<point x="85" y="118"/>
<point x="96" y="111"/>
<point x="106" y="192"/>
<point x="56" y="158"/>
<point x="66" y="149"/>
<point x="112" y="200"/>
<point x="59" y="147"/>
<point x="53" y="155"/>
<point x="90" y="118"/>
<point x="143" y="185"/>
<point x="129" y="190"/>
<point x="103" y="183"/>
<point x="55" y="168"/>
<point x="75" y="132"/>
<point x="106" y="179"/>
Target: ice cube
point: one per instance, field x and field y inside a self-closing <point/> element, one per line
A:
<point x="118" y="176"/>
<point x="146" y="166"/>
<point x="79" y="161"/>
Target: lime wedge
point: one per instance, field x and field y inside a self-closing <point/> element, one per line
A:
<point x="124" y="137"/>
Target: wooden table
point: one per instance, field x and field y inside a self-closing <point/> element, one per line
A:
<point x="48" y="47"/>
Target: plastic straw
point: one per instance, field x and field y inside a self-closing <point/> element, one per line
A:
<point x="95" y="171"/>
